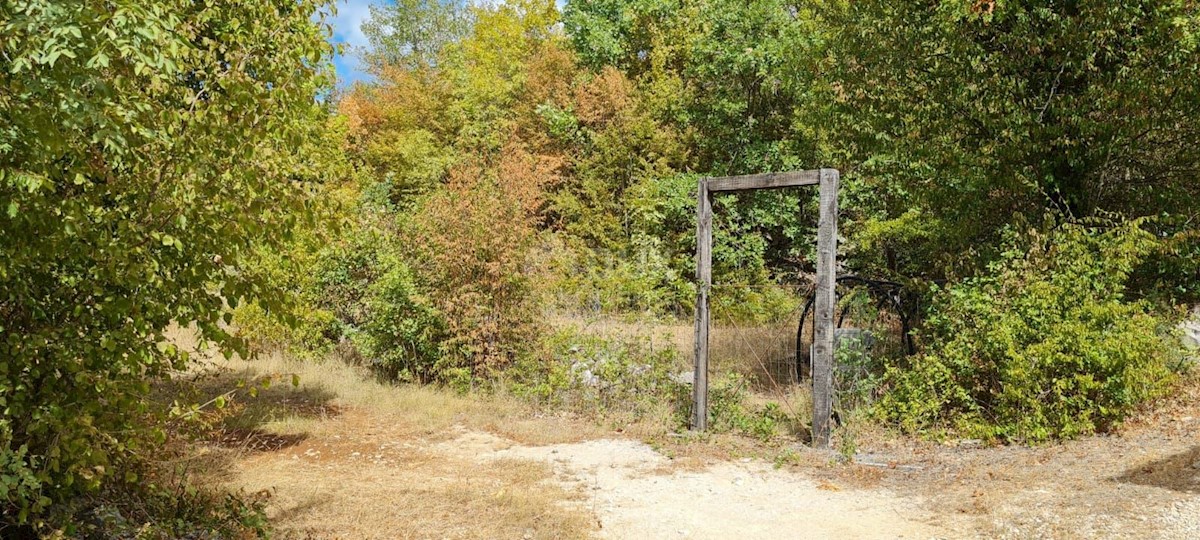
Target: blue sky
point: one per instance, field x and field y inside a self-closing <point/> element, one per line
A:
<point x="347" y="29"/>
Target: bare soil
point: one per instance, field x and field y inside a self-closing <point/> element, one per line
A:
<point x="1141" y="482"/>
<point x="364" y="473"/>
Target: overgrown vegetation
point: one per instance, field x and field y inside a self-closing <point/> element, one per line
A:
<point x="506" y="167"/>
<point x="1027" y="169"/>
<point x="1045" y="345"/>
<point x="599" y="375"/>
<point x="146" y="147"/>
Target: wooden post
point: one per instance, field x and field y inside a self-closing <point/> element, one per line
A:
<point x="703" y="284"/>
<point x="822" y="368"/>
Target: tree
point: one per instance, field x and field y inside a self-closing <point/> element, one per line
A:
<point x="145" y="147"/>
<point x="412" y="33"/>
<point x="958" y="115"/>
<point x="732" y="79"/>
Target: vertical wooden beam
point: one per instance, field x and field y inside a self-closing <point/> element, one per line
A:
<point x="822" y="368"/>
<point x="703" y="285"/>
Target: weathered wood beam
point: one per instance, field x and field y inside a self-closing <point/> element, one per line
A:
<point x="703" y="285"/>
<point x="765" y="181"/>
<point x="826" y="299"/>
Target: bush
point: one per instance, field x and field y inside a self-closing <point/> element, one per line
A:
<point x="134" y="184"/>
<point x="310" y="334"/>
<point x="1044" y="346"/>
<point x="730" y="412"/>
<point x="597" y="375"/>
<point x="402" y="333"/>
<point x="468" y="244"/>
<point x="638" y="279"/>
<point x="180" y="510"/>
<point x="323" y="283"/>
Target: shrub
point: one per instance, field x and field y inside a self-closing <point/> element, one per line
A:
<point x="730" y="411"/>
<point x="1043" y="346"/>
<point x="634" y="280"/>
<point x="311" y="333"/>
<point x="402" y="333"/>
<point x="342" y="273"/>
<point x="597" y="375"/>
<point x="178" y="510"/>
<point x="323" y="283"/>
<point x="469" y="244"/>
<point x="858" y="367"/>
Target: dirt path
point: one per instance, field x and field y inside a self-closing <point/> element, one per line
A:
<point x="635" y="492"/>
<point x="360" y="476"/>
<point x="363" y="486"/>
<point x="343" y="458"/>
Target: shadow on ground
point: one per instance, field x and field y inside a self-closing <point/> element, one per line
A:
<point x="250" y="404"/>
<point x="1180" y="472"/>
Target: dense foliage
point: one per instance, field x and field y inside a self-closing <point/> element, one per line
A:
<point x="1045" y="345"/>
<point x="509" y="166"/>
<point x="144" y="148"/>
<point x="959" y="116"/>
<point x="161" y="162"/>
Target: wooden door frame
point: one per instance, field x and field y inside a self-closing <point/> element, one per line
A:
<point x="822" y="370"/>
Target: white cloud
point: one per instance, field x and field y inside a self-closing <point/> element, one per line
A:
<point x="347" y="24"/>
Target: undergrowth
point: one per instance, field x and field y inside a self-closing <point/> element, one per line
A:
<point x="1046" y="345"/>
<point x="607" y="377"/>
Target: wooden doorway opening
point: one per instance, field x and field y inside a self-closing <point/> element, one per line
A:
<point x="822" y="362"/>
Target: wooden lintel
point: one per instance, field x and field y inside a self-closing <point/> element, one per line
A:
<point x="765" y="181"/>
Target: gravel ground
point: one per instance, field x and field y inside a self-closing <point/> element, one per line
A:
<point x="1181" y="521"/>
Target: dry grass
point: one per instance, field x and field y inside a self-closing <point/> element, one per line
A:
<point x="411" y="410"/>
<point x="399" y="445"/>
<point x="345" y="456"/>
<point x="763" y="356"/>
<point x="372" y="482"/>
<point x="348" y="457"/>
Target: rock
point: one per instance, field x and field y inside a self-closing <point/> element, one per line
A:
<point x="684" y="377"/>
<point x="1191" y="330"/>
<point x="582" y="372"/>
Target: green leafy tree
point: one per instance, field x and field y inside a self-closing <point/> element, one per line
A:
<point x="724" y="79"/>
<point x="412" y="33"/>
<point x="958" y="115"/>
<point x="145" y="148"/>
